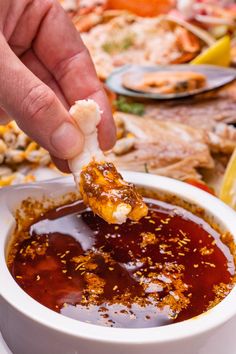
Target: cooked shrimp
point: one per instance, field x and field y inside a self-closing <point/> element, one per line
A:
<point x="100" y="184"/>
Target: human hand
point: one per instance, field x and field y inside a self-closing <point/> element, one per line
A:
<point x="44" y="69"/>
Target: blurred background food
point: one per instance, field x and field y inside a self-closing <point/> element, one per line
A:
<point x="219" y="53"/>
<point x="143" y="8"/>
<point x="192" y="139"/>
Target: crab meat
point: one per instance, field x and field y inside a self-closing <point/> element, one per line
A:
<point x="101" y="186"/>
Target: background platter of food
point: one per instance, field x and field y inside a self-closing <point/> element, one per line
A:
<point x="165" y="82"/>
<point x="192" y="139"/>
<point x="129" y="39"/>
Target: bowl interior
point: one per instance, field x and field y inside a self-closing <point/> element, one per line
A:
<point x="221" y="217"/>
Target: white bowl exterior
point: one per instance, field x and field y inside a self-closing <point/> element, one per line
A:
<point x="30" y="328"/>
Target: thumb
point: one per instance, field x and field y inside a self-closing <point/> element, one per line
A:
<point x="36" y="108"/>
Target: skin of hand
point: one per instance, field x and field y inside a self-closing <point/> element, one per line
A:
<point x="44" y="69"/>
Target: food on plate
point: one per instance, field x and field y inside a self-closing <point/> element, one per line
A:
<point x="162" y="147"/>
<point x="148" y="273"/>
<point x="217" y="54"/>
<point x="164" y="82"/>
<point x="16" y="147"/>
<point x="200" y="185"/>
<point x="20" y="156"/>
<point x="81" y="7"/>
<point x="228" y="186"/>
<point x="213" y="113"/>
<point x="69" y="5"/>
<point x="100" y="184"/>
<point x="213" y="14"/>
<point x="85" y="14"/>
<point x="122" y="104"/>
<point x="129" y="39"/>
<point x="143" y="7"/>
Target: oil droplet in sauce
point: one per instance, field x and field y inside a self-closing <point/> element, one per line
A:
<point x="168" y="267"/>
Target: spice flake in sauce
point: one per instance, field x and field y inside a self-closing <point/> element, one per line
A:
<point x="168" y="267"/>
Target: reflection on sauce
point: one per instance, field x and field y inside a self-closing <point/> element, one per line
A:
<point x="168" y="267"/>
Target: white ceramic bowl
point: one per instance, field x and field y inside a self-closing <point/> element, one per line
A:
<point x="30" y="328"/>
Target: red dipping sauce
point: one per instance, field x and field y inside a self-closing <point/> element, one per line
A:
<point x="168" y="267"/>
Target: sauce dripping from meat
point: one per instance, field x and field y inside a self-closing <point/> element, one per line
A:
<point x="168" y="267"/>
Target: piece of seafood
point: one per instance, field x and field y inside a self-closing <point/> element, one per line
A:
<point x="129" y="39"/>
<point x="69" y="5"/>
<point x="100" y="184"/>
<point x="211" y="113"/>
<point x="17" y="148"/>
<point x="161" y="147"/>
<point x="164" y="82"/>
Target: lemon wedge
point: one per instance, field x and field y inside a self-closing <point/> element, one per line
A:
<point x="228" y="187"/>
<point x="6" y="181"/>
<point x="217" y="54"/>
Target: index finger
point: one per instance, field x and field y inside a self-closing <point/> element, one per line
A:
<point x="60" y="47"/>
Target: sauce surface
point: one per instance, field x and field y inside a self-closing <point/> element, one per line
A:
<point x="168" y="267"/>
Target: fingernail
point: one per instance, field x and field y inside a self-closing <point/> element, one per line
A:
<point x="67" y="140"/>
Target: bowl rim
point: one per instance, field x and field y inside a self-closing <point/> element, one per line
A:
<point x="30" y="308"/>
